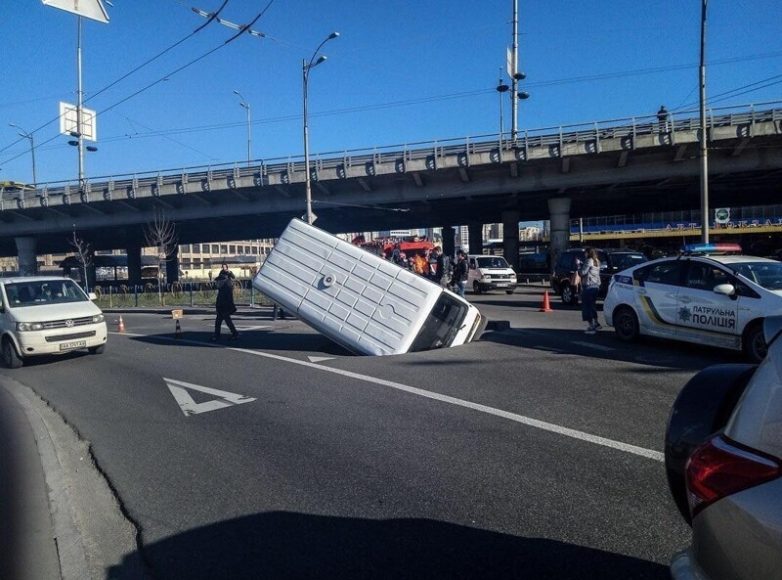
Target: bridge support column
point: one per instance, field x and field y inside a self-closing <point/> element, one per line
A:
<point x="25" y="247"/>
<point x="449" y="247"/>
<point x="172" y="266"/>
<point x="134" y="265"/>
<point x="475" y="233"/>
<point x="559" y="210"/>
<point x="510" y="237"/>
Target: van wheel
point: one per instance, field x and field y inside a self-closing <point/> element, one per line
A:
<point x="476" y="287"/>
<point x="626" y="323"/>
<point x="508" y="291"/>
<point x="10" y="358"/>
<point x="97" y="349"/>
<point x="754" y="343"/>
<point x="568" y="296"/>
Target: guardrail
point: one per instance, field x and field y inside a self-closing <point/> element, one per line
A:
<point x="530" y="138"/>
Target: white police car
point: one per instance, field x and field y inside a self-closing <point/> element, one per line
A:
<point x="701" y="297"/>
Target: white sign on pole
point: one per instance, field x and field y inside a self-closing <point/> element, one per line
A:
<point x="510" y="66"/>
<point x="92" y="9"/>
<point x="69" y="125"/>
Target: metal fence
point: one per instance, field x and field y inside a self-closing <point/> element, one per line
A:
<point x="188" y="294"/>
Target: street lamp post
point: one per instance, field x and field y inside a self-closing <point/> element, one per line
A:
<point x="306" y="67"/>
<point x="28" y="135"/>
<point x="246" y="106"/>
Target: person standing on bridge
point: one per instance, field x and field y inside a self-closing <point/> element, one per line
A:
<point x="590" y="286"/>
<point x="224" y="305"/>
<point x="662" y="118"/>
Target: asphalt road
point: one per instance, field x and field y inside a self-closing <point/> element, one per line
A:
<point x="533" y="453"/>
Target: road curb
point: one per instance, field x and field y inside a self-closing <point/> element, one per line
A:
<point x="90" y="531"/>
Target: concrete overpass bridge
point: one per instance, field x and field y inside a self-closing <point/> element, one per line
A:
<point x="600" y="168"/>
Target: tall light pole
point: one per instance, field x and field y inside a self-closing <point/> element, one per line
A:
<point x="28" y="135"/>
<point x="306" y="67"/>
<point x="514" y="74"/>
<point x="246" y="106"/>
<point x="704" y="133"/>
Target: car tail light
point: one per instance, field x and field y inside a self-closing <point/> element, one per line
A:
<point x="721" y="467"/>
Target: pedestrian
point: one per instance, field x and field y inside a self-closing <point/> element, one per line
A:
<point x="459" y="276"/>
<point x="224" y="305"/>
<point x="590" y="286"/>
<point x="662" y="118"/>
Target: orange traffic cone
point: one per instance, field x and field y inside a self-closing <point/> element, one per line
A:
<point x="546" y="306"/>
<point x="121" y="325"/>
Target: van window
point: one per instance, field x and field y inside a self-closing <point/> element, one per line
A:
<point x="442" y="324"/>
<point x="38" y="292"/>
<point x="492" y="262"/>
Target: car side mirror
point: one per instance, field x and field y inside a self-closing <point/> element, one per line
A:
<point x="92" y="296"/>
<point x="726" y="289"/>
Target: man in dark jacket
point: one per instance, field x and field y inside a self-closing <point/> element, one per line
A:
<point x="224" y="305"/>
<point x="459" y="277"/>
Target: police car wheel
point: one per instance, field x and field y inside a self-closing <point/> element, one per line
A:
<point x="625" y="323"/>
<point x="754" y="342"/>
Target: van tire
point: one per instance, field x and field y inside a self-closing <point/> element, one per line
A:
<point x="626" y="323"/>
<point x="10" y="357"/>
<point x="753" y="342"/>
<point x="476" y="287"/>
<point x="97" y="349"/>
<point x="508" y="291"/>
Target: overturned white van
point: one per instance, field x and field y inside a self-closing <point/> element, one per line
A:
<point x="359" y="300"/>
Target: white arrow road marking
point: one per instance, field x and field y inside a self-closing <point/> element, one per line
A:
<point x="190" y="407"/>
<point x="317" y="359"/>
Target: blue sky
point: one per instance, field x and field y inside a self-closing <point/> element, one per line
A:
<point x="402" y="71"/>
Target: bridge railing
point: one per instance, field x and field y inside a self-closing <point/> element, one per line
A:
<point x="421" y="150"/>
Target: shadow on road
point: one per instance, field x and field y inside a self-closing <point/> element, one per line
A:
<point x="270" y="339"/>
<point x="292" y="545"/>
<point x="605" y="345"/>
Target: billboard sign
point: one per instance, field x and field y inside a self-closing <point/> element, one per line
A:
<point x="68" y="123"/>
<point x="92" y="9"/>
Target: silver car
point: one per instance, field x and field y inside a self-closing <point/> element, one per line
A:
<point x="723" y="455"/>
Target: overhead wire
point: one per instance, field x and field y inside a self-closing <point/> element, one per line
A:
<point x="158" y="81"/>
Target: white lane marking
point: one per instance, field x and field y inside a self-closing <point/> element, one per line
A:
<point x="317" y="359"/>
<point x="593" y="345"/>
<point x="245" y="328"/>
<point x="190" y="407"/>
<point x="528" y="421"/>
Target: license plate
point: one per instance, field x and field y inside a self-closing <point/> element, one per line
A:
<point x="73" y="344"/>
<point x="502" y="285"/>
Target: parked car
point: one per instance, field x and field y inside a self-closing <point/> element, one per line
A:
<point x="723" y="459"/>
<point x="717" y="300"/>
<point x="490" y="273"/>
<point x="47" y="315"/>
<point x="611" y="262"/>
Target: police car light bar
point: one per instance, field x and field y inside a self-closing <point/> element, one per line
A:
<point x="721" y="248"/>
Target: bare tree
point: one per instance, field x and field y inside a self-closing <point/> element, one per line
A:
<point x="160" y="234"/>
<point x="83" y="256"/>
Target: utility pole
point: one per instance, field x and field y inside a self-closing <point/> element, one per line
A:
<point x="514" y="95"/>
<point x="704" y="133"/>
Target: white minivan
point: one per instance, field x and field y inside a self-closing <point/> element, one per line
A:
<point x="359" y="300"/>
<point x="47" y="315"/>
<point x="490" y="273"/>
